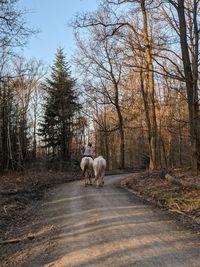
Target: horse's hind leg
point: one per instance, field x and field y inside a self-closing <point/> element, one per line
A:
<point x="86" y="178"/>
<point x="83" y="175"/>
<point x="102" y="179"/>
<point x="97" y="181"/>
<point x="90" y="178"/>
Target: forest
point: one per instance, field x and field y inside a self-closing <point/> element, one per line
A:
<point x="131" y="91"/>
<point x="136" y="97"/>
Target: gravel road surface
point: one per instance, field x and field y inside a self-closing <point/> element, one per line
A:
<point x="83" y="227"/>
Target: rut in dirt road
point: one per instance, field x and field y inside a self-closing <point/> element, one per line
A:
<point x="109" y="227"/>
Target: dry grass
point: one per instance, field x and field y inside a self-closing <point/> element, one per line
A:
<point x="173" y="197"/>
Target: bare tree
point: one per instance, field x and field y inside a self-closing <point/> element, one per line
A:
<point x="183" y="19"/>
<point x="103" y="61"/>
<point x="14" y="30"/>
<point x="117" y="22"/>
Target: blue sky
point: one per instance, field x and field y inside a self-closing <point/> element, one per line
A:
<point x="51" y="18"/>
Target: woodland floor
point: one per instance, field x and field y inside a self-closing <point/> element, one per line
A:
<point x="21" y="192"/>
<point x="22" y="196"/>
<point x="182" y="202"/>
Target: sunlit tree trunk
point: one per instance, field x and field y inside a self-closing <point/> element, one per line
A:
<point x="150" y="98"/>
<point x="191" y="84"/>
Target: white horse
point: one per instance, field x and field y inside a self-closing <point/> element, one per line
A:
<point x="99" y="166"/>
<point x="87" y="169"/>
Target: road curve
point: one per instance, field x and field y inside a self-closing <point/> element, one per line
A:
<point x="112" y="227"/>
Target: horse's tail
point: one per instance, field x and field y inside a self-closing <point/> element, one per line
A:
<point x="85" y="167"/>
<point x="99" y="167"/>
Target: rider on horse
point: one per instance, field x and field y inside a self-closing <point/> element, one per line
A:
<point x="88" y="151"/>
<point x="87" y="164"/>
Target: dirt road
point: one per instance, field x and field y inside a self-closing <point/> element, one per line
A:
<point x="82" y="227"/>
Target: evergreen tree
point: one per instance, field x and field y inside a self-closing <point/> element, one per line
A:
<point x="59" y="109"/>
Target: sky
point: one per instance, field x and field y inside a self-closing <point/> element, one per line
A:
<point x="51" y="18"/>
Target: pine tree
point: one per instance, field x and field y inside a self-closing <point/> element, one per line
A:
<point x="61" y="104"/>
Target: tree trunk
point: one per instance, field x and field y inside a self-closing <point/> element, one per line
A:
<point x="121" y="129"/>
<point x="34" y="139"/>
<point x="152" y="125"/>
<point x="191" y="88"/>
